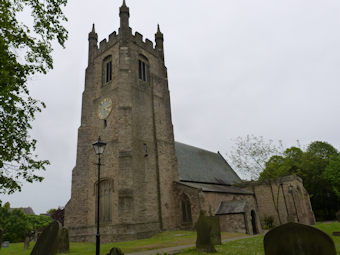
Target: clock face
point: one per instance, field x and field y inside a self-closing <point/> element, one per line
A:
<point x="104" y="108"/>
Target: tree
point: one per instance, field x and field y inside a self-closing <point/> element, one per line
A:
<point x="24" y="51"/>
<point x="319" y="167"/>
<point x="250" y="154"/>
<point x="332" y="174"/>
<point x="16" y="224"/>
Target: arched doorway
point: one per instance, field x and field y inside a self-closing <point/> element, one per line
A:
<point x="186" y="210"/>
<point x="253" y="222"/>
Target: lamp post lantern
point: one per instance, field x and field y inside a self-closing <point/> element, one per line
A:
<point x="99" y="148"/>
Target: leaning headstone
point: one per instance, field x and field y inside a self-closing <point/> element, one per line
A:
<point x="204" y="228"/>
<point x="298" y="239"/>
<point x="64" y="242"/>
<point x="115" y="251"/>
<point x="47" y="243"/>
<point x="338" y="216"/>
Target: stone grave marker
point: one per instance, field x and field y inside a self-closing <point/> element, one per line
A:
<point x="27" y="242"/>
<point x="64" y="242"/>
<point x="204" y="229"/>
<point x="5" y="244"/>
<point x="48" y="240"/>
<point x="115" y="251"/>
<point x="298" y="239"/>
<point x="338" y="215"/>
<point x="215" y="233"/>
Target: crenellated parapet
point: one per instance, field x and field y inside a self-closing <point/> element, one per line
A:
<point x="124" y="35"/>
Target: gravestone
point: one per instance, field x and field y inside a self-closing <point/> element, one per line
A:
<point x="204" y="229"/>
<point x="298" y="239"/>
<point x="27" y="242"/>
<point x="115" y="251"/>
<point x="48" y="240"/>
<point x="64" y="242"/>
<point x="338" y="215"/>
<point x="5" y="244"/>
<point x="215" y="233"/>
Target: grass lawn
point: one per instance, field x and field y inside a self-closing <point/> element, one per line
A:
<point x="254" y="246"/>
<point x="162" y="240"/>
<point x="249" y="246"/>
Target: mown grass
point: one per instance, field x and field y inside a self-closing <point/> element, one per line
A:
<point x="162" y="240"/>
<point x="248" y="246"/>
<point x="254" y="246"/>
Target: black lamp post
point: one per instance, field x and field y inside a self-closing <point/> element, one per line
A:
<point x="99" y="148"/>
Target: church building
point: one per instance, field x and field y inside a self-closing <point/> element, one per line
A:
<point x="150" y="183"/>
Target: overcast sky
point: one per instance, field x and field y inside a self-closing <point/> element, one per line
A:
<point x="235" y="67"/>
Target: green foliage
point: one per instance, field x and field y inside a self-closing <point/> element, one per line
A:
<point x="39" y="222"/>
<point x="319" y="168"/>
<point x="268" y="221"/>
<point x="24" y="51"/>
<point x="16" y="225"/>
<point x="332" y="174"/>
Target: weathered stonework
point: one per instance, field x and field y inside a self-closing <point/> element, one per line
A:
<point x="143" y="192"/>
<point x="283" y="198"/>
<point x="139" y="159"/>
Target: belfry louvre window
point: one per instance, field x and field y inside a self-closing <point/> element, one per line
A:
<point x="108" y="71"/>
<point x="142" y="70"/>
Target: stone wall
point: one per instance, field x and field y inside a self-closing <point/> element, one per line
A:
<point x="233" y="223"/>
<point x="209" y="202"/>
<point x="283" y="198"/>
<point x="139" y="160"/>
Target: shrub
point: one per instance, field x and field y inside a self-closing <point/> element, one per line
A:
<point x="268" y="222"/>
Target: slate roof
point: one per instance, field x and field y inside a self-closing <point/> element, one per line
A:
<point x="231" y="207"/>
<point x="198" y="165"/>
<point x="217" y="188"/>
<point x="26" y="210"/>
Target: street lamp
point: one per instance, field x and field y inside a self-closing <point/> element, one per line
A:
<point x="99" y="148"/>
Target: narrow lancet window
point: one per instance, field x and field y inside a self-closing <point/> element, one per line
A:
<point x="107" y="69"/>
<point x="142" y="70"/>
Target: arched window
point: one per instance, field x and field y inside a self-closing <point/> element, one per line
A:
<point x="186" y="209"/>
<point x="107" y="69"/>
<point x="105" y="201"/>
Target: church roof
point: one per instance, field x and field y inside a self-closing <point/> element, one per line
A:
<point x="26" y="210"/>
<point x="230" y="207"/>
<point x="198" y="165"/>
<point x="205" y="187"/>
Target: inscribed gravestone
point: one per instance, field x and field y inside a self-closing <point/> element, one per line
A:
<point x="204" y="228"/>
<point x="298" y="239"/>
<point x="48" y="240"/>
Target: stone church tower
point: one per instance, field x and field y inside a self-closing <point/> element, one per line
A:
<point x="126" y="102"/>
